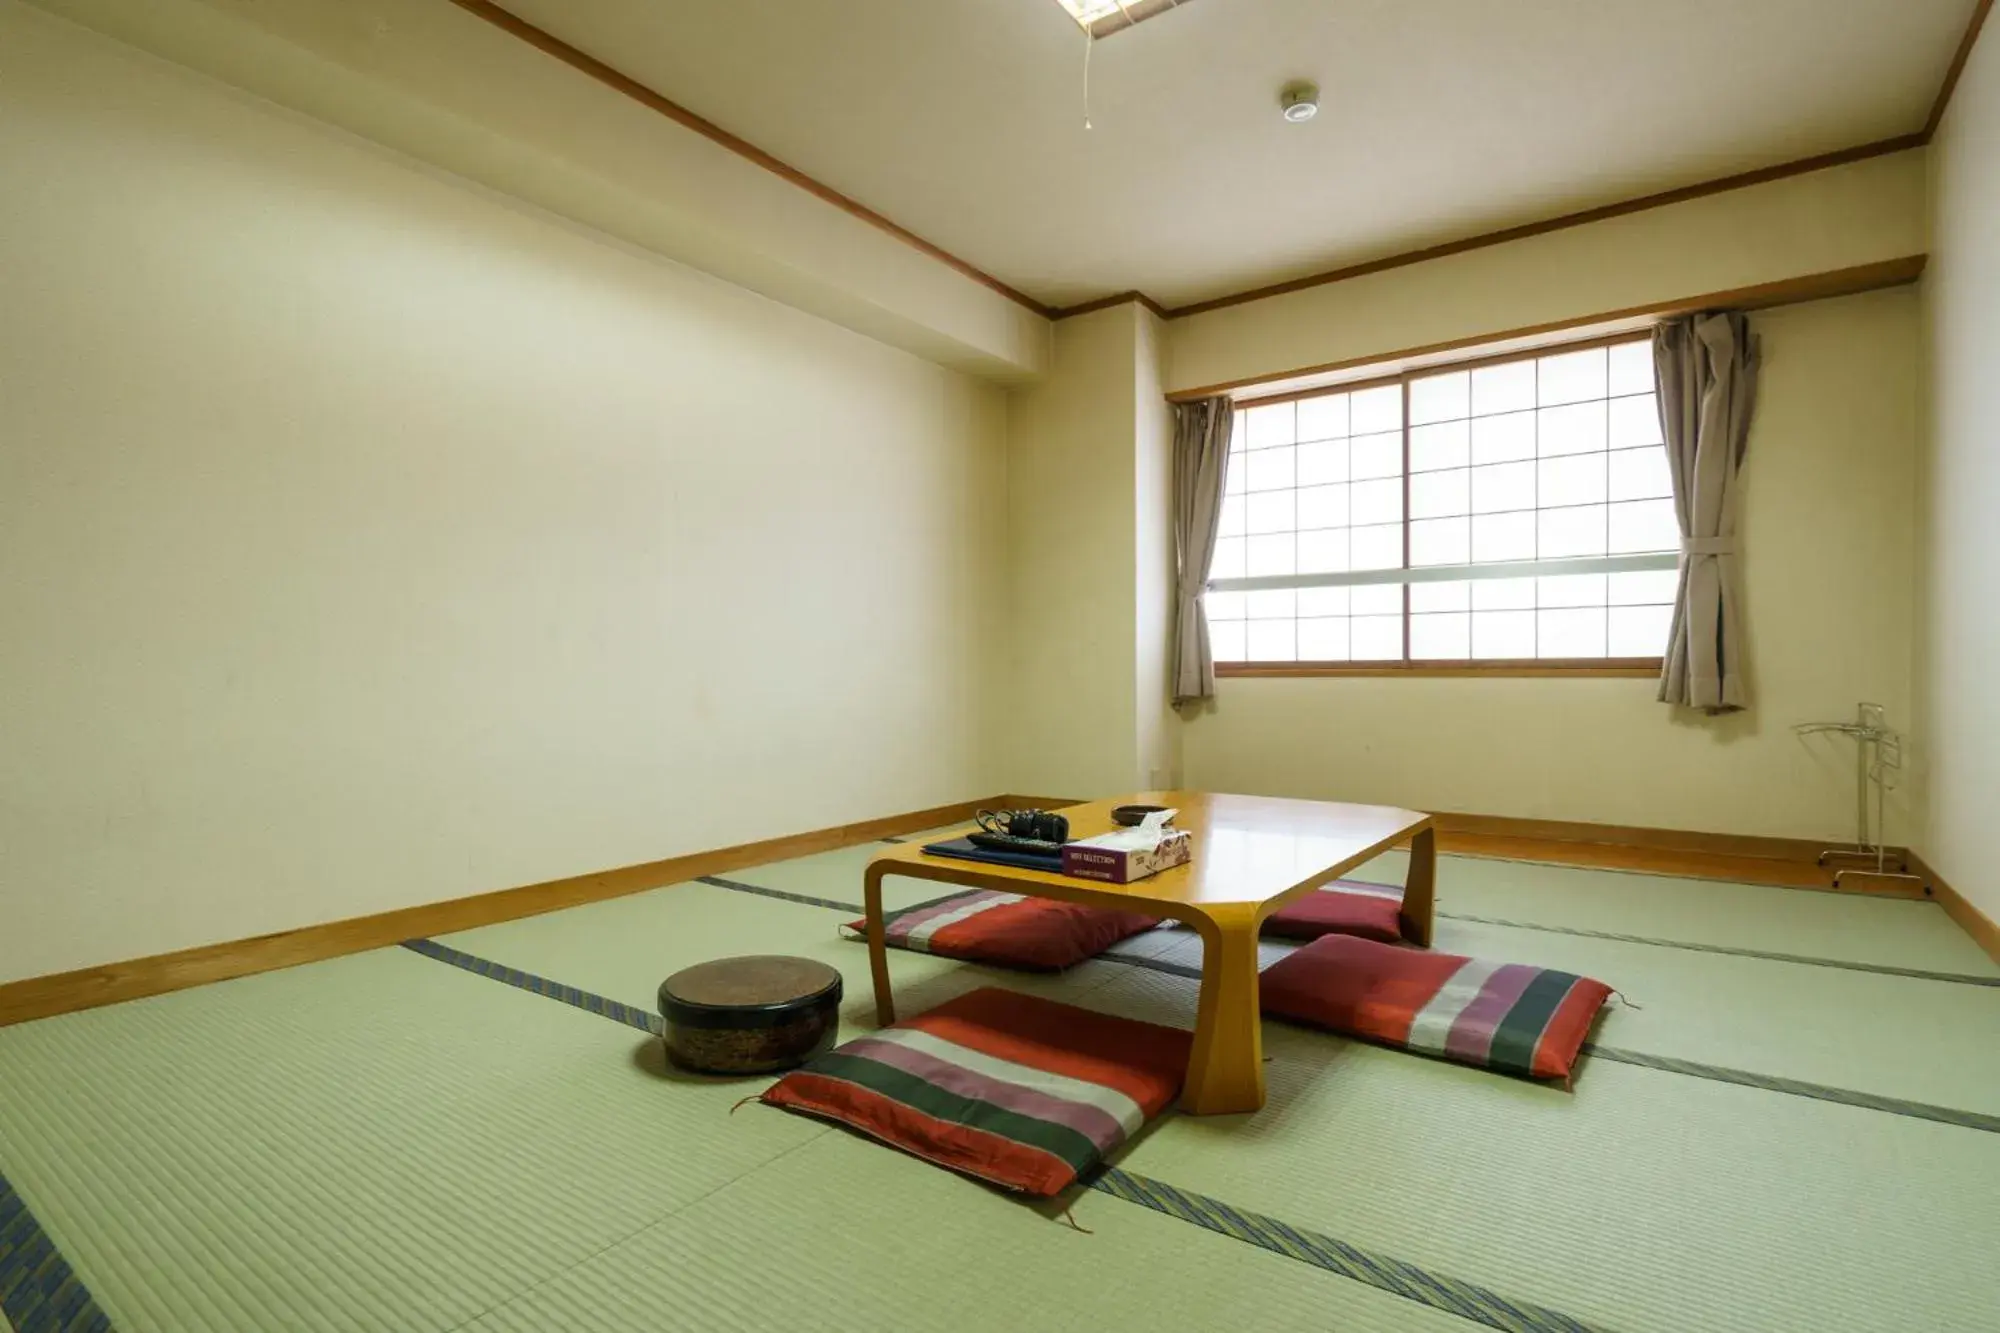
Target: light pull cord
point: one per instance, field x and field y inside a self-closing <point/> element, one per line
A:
<point x="1089" y="42"/>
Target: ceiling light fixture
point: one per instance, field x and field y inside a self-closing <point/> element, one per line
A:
<point x="1299" y="101"/>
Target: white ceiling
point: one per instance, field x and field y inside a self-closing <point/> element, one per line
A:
<point x="963" y="119"/>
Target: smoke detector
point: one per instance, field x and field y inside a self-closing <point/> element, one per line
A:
<point x="1299" y="101"/>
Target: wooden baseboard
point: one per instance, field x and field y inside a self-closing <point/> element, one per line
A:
<point x="1984" y="930"/>
<point x="88" y="988"/>
<point x="1781" y="861"/>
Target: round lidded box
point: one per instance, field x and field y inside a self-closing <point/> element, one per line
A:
<point x="751" y="1015"/>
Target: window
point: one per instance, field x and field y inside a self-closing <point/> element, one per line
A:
<point x="1515" y="512"/>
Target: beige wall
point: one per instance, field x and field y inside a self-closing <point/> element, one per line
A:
<point x="1828" y="557"/>
<point x="1839" y="218"/>
<point x="369" y="540"/>
<point x="1960" y="742"/>
<point x="1159" y="762"/>
<point x="1072" y="704"/>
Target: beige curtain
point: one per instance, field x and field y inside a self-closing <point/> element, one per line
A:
<point x="1707" y="368"/>
<point x="1201" y="459"/>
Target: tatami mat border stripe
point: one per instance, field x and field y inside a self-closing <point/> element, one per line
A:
<point x="39" y="1291"/>
<point x="1944" y="1115"/>
<point x="1464" y="1299"/>
<point x="1920" y="974"/>
<point x="642" y="1019"/>
<point x="803" y="899"/>
<point x="1391" y="1275"/>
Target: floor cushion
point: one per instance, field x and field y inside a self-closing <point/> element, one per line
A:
<point x="1020" y="1091"/>
<point x="1341" y="908"/>
<point x="1509" y="1017"/>
<point x="1039" y="934"/>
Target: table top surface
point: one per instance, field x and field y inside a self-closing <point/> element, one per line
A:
<point x="1247" y="849"/>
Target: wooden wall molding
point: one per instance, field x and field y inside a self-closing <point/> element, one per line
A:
<point x="627" y="86"/>
<point x="1984" y="930"/>
<point x="88" y="988"/>
<point x="590" y="65"/>
<point x="1784" y="862"/>
<point x="1762" y="296"/>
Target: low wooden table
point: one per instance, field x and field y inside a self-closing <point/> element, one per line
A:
<point x="1250" y="854"/>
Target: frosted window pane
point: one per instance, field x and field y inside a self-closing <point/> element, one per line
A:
<point x="1378" y="501"/>
<point x="1226" y="640"/>
<point x="1433" y="447"/>
<point x="1440" y="398"/>
<point x="1645" y="587"/>
<point x="1507" y="388"/>
<point x="1269" y="469"/>
<point x="1323" y="602"/>
<point x="1378" y="548"/>
<point x="1323" y="552"/>
<point x="1440" y="596"/>
<point x="1571" y="377"/>
<point x="1322" y="463"/>
<point x="1569" y="430"/>
<point x="1271" y="604"/>
<point x="1377" y="456"/>
<point x="1632" y="367"/>
<point x="1503" y="537"/>
<point x="1269" y="555"/>
<point x="1323" y="507"/>
<point x="1377" y="638"/>
<point x="1500" y="635"/>
<point x="1268" y="426"/>
<point x="1575" y="633"/>
<point x="1270" y="511"/>
<point x="1503" y="594"/>
<point x="1441" y="541"/>
<point x="1635" y="422"/>
<point x="1440" y="494"/>
<point x="1571" y="590"/>
<point x="1441" y="638"/>
<point x="1274" y="641"/>
<point x="1568" y="532"/>
<point x="1640" y="474"/>
<point x="1503" y="486"/>
<point x="1224" y="605"/>
<point x="1576" y="480"/>
<point x="1503" y="439"/>
<point x="1323" y="640"/>
<point x="1644" y="525"/>
<point x="1323" y="418"/>
<point x="1228" y="563"/>
<point x="1640" y="631"/>
<point x="1378" y="599"/>
<point x="1377" y="409"/>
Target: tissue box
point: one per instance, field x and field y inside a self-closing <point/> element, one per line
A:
<point x="1120" y="858"/>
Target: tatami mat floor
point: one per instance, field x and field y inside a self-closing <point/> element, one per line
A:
<point x="388" y="1142"/>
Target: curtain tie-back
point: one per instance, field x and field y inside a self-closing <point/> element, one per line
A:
<point x="1708" y="546"/>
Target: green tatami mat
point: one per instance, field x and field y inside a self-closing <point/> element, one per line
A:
<point x="624" y="948"/>
<point x="837" y="875"/>
<point x="844" y="1234"/>
<point x="1894" y="932"/>
<point x="1902" y="1037"/>
<point x="1645" y="1200"/>
<point x="378" y="1142"/>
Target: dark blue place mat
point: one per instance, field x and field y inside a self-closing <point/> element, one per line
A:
<point x="963" y="850"/>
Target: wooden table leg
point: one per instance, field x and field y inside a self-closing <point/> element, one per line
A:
<point x="878" y="947"/>
<point x="1420" y="889"/>
<point x="1226" y="1068"/>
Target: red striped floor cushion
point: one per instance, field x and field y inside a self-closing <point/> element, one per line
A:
<point x="1504" y="1016"/>
<point x="1368" y="911"/>
<point x="1020" y="1091"/>
<point x="1039" y="934"/>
